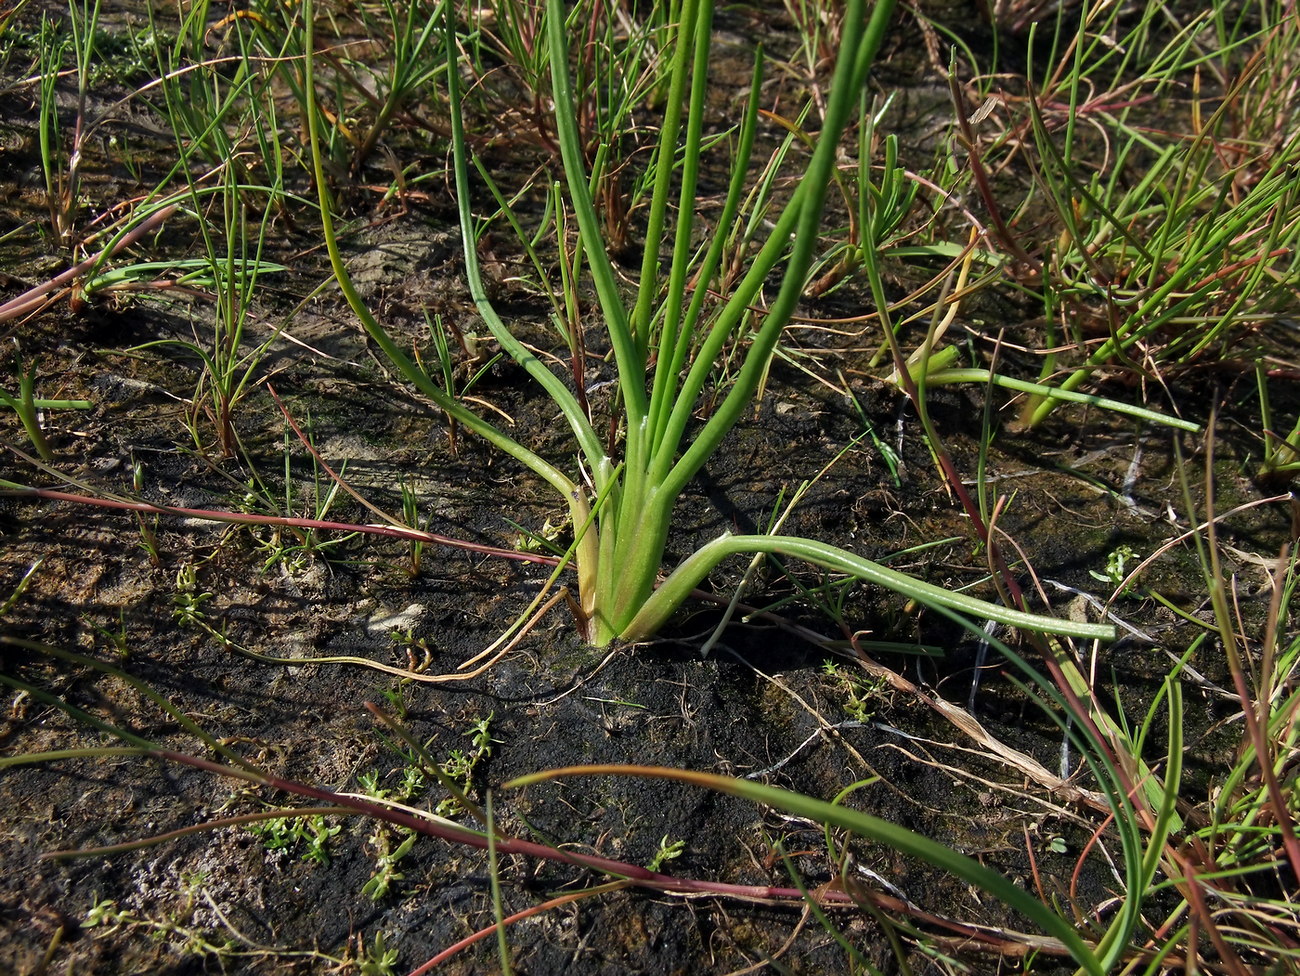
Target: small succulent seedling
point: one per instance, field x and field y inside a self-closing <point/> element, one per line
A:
<point x="377" y="959"/>
<point x="862" y="695"/>
<point x="669" y="850"/>
<point x="308" y="835"/>
<point x="1114" y="574"/>
<point x="461" y="764"/>
<point x="189" y="600"/>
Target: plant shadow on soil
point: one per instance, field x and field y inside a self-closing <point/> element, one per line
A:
<point x="760" y="705"/>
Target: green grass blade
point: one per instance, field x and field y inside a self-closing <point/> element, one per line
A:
<point x="691" y="572"/>
<point x="630" y="363"/>
<point x="864" y="825"/>
<point x="554" y="387"/>
<point x="802" y="218"/>
<point x="945" y="376"/>
<point x="408" y="368"/>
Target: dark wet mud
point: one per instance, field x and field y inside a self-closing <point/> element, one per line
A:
<point x="193" y="610"/>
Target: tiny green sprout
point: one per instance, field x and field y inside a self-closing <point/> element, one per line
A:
<point x="411" y="517"/>
<point x="545" y="539"/>
<point x="192" y="881"/>
<point x="1114" y="574"/>
<point x="377" y="960"/>
<point x="287" y="833"/>
<point x="21" y="588"/>
<point x="1057" y="845"/>
<point x="116" y="637"/>
<point x="417" y="652"/>
<point x="317" y="835"/>
<point x="413" y="782"/>
<point x="251" y="502"/>
<point x="887" y="453"/>
<point x="668" y="851"/>
<point x="396" y="700"/>
<point x="148" y="526"/>
<point x="460" y="765"/>
<point x="369" y="783"/>
<point x="861" y="694"/>
<point x="386" y="872"/>
<point x="404" y="638"/>
<point x="105" y="913"/>
<point x="481" y="737"/>
<point x="275" y="833"/>
<point x="189" y="600"/>
<point x="382" y="839"/>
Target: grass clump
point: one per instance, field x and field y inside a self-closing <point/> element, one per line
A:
<point x="1151" y="251"/>
<point x="664" y="342"/>
<point x="1161" y="155"/>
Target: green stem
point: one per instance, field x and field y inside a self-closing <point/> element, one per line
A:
<point x="946" y="376"/>
<point x="40" y="403"/>
<point x="631" y="366"/>
<point x="412" y="372"/>
<point x="26" y="405"/>
<point x="802" y="218"/>
<point x="673" y="355"/>
<point x="687" y="576"/>
<point x="686" y="42"/>
<point x="554" y="387"/>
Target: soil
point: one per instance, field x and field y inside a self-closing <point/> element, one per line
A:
<point x="148" y="598"/>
